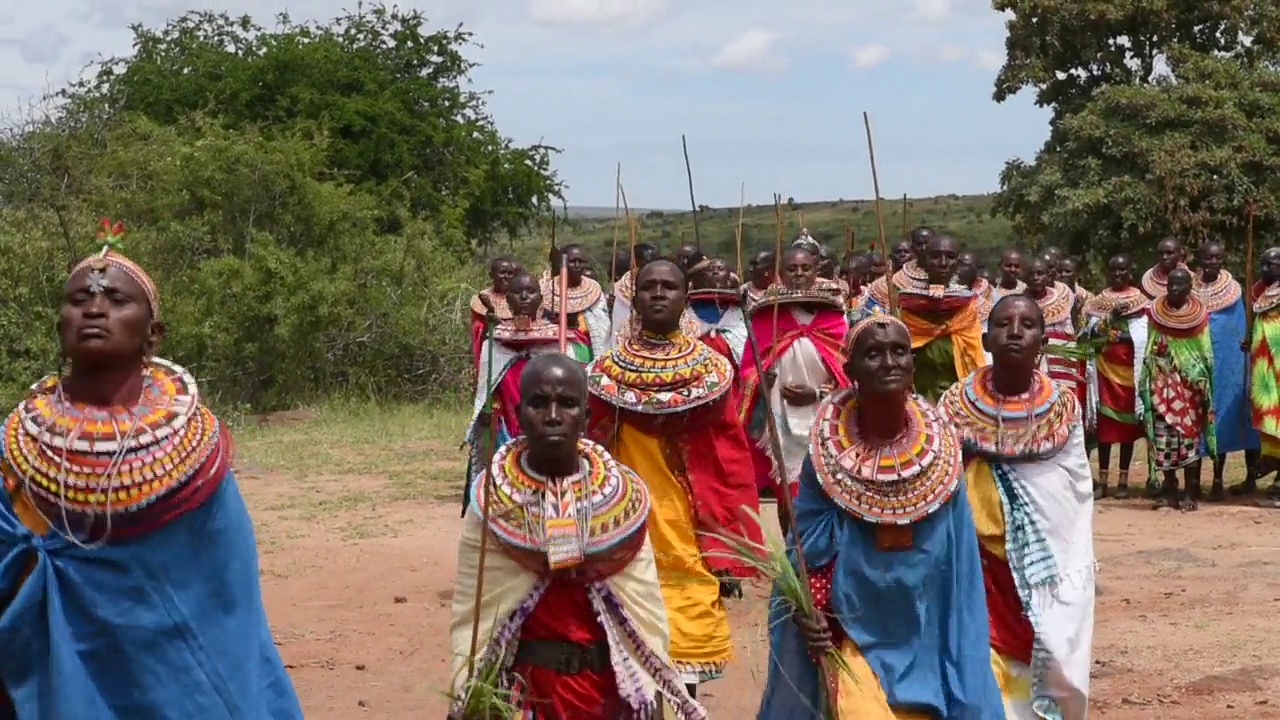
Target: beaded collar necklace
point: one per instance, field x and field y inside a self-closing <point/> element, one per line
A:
<point x="657" y="375"/>
<point x="568" y="519"/>
<point x="1180" y="322"/>
<point x="1155" y="282"/>
<point x="1035" y="425"/>
<point x="1218" y="294"/>
<point x="581" y="298"/>
<point x="1268" y="300"/>
<point x="499" y="303"/>
<point x="524" y="329"/>
<point x="1127" y="302"/>
<point x="895" y="483"/>
<point x="115" y="472"/>
<point x="1056" y="304"/>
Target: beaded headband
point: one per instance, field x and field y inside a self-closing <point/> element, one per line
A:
<point x="875" y="317"/>
<point x="110" y="256"/>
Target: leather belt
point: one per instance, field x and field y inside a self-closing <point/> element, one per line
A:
<point x="565" y="658"/>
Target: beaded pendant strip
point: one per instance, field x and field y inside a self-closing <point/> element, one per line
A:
<point x="1220" y="294"/>
<point x="658" y="376"/>
<point x="1056" y="304"/>
<point x="1032" y="426"/>
<point x="570" y="519"/>
<point x="1268" y="300"/>
<point x="499" y="304"/>
<point x="581" y="298"/>
<point x="1127" y="302"/>
<point x="129" y="467"/>
<point x="897" y="483"/>
<point x="1155" y="282"/>
<point x="1180" y="322"/>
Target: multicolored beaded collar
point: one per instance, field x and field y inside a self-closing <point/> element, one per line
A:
<point x="581" y="298"/>
<point x="826" y="292"/>
<point x="913" y="280"/>
<point x="524" y="329"/>
<point x="998" y="291"/>
<point x="1268" y="300"/>
<point x="120" y="471"/>
<point x="1127" y="302"/>
<point x="1155" y="282"/>
<point x="897" y="483"/>
<point x="1033" y="426"/>
<point x="1056" y="304"/>
<point x="1185" y="321"/>
<point x="499" y="304"/>
<point x="624" y="288"/>
<point x="688" y="325"/>
<point x="1219" y="294"/>
<point x="722" y="296"/>
<point x="570" y="519"/>
<point x="660" y="375"/>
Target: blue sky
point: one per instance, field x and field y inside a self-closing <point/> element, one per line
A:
<point x="770" y="94"/>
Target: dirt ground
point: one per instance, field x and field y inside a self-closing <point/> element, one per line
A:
<point x="358" y="577"/>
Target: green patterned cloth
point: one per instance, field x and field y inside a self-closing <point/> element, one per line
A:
<point x="935" y="368"/>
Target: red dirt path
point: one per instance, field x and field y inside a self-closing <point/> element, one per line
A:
<point x="1188" y="622"/>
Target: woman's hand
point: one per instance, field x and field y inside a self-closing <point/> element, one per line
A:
<point x="799" y="395"/>
<point x="816" y="633"/>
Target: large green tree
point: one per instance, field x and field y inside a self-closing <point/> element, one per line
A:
<point x="390" y="96"/>
<point x="1160" y="117"/>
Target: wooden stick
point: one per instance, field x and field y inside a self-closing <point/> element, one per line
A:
<point x="688" y="171"/>
<point x="905" y="232"/>
<point x="491" y="322"/>
<point x="875" y="182"/>
<point x="617" y="216"/>
<point x="742" y="206"/>
<point x="563" y="282"/>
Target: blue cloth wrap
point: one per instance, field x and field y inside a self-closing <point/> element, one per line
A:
<point x="918" y="616"/>
<point x="165" y="626"/>
<point x="1232" y="424"/>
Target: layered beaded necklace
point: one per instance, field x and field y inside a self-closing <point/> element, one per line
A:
<point x="1033" y="425"/>
<point x="1220" y="293"/>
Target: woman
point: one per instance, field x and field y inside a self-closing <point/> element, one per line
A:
<point x="1118" y="314"/>
<point x="502" y="359"/>
<point x="572" y="609"/>
<point x="1030" y="489"/>
<point x="660" y="404"/>
<point x="586" y="310"/>
<point x="886" y="531"/>
<point x="494" y="298"/>
<point x="126" y="549"/>
<point x="799" y="328"/>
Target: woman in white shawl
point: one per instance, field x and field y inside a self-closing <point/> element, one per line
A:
<point x="1029" y="485"/>
<point x="570" y="623"/>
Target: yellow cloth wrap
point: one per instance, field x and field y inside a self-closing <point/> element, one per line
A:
<point x="988" y="510"/>
<point x="860" y="696"/>
<point x="1270" y="445"/>
<point x="964" y="329"/>
<point x="696" y="615"/>
<point x="1121" y="374"/>
<point x="27" y="513"/>
<point x="1014" y="680"/>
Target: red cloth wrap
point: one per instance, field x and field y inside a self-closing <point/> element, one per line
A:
<point x="708" y="448"/>
<point x="565" y="614"/>
<point x="1011" y="631"/>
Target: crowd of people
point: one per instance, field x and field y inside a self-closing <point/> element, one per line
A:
<point x="923" y="428"/>
<point x="923" y="425"/>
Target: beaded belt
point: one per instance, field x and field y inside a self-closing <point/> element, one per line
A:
<point x="565" y="658"/>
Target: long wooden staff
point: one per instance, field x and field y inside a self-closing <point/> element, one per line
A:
<point x="742" y="206"/>
<point x="904" y="217"/>
<point x="617" y="216"/>
<point x="777" y="256"/>
<point x="563" y="283"/>
<point x="491" y="322"/>
<point x="786" y="508"/>
<point x="875" y="182"/>
<point x="688" y="171"/>
<point x="1248" y="274"/>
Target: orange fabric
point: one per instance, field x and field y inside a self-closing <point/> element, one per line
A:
<point x="962" y="326"/>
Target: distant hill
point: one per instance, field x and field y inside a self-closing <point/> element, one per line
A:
<point x="968" y="217"/>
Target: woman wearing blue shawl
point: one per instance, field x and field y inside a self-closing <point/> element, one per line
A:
<point x="888" y="536"/>
<point x="128" y="564"/>
<point x="1233" y="426"/>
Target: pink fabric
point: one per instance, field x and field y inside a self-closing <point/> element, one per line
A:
<point x="508" y="392"/>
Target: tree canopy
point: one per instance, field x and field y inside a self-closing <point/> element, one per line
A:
<point x="390" y="96"/>
<point x="1164" y="119"/>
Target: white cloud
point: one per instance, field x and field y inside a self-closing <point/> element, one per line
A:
<point x="988" y="59"/>
<point x="952" y="53"/>
<point x="752" y="51"/>
<point x="869" y="56"/>
<point x="932" y="12"/>
<point x="597" y="13"/>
